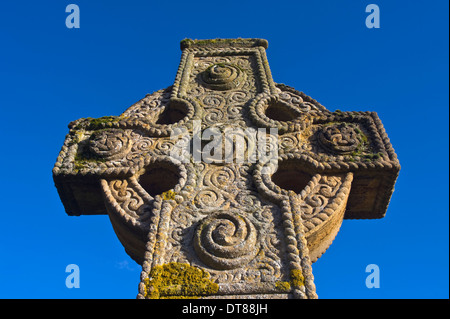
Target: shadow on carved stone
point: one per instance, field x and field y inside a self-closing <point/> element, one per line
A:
<point x="290" y="176"/>
<point x="159" y="177"/>
<point x="174" y="112"/>
<point x="280" y="111"/>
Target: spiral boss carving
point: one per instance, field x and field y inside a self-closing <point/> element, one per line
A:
<point x="248" y="224"/>
<point x="226" y="240"/>
<point x="222" y="77"/>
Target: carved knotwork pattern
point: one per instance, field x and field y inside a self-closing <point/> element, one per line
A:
<point x="323" y="190"/>
<point x="339" y="138"/>
<point x="135" y="206"/>
<point x="110" y="144"/>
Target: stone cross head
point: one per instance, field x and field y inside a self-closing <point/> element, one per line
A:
<point x="226" y="184"/>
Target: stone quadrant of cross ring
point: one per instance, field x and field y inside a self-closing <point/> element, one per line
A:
<point x="247" y="228"/>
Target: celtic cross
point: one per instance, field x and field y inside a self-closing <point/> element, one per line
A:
<point x="227" y="227"/>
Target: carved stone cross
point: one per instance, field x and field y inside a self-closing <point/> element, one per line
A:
<point x="242" y="216"/>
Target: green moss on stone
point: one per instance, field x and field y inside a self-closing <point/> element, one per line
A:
<point x="98" y="123"/>
<point x="187" y="43"/>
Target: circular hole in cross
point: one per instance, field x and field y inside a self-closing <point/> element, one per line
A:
<point x="280" y="111"/>
<point x="159" y="177"/>
<point x="174" y="112"/>
<point x="290" y="176"/>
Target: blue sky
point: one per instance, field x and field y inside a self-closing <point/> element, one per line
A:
<point x="51" y="75"/>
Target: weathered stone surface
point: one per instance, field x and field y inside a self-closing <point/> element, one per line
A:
<point x="247" y="223"/>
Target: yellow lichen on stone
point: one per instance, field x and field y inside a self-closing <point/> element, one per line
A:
<point x="297" y="278"/>
<point x="170" y="194"/>
<point x="178" y="280"/>
<point x="283" y="286"/>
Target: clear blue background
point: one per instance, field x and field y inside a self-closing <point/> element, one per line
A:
<point x="51" y="75"/>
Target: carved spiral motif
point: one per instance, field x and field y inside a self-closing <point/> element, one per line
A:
<point x="291" y="98"/>
<point x="208" y="198"/>
<point x="220" y="177"/>
<point x="213" y="100"/>
<point x="213" y="116"/>
<point x="239" y="96"/>
<point x="163" y="146"/>
<point x="222" y="77"/>
<point x="143" y="144"/>
<point x="289" y="141"/>
<point x="128" y="198"/>
<point x="234" y="111"/>
<point x="226" y="240"/>
<point x="339" y="138"/>
<point x="110" y="144"/>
